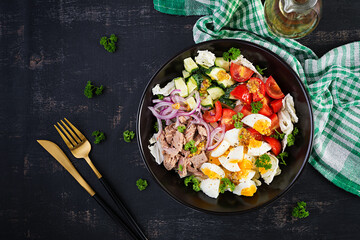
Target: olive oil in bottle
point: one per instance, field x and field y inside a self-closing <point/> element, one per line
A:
<point x="292" y="18"/>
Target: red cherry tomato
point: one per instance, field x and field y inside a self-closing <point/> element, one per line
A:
<point x="255" y="134"/>
<point x="276" y="105"/>
<point x="213" y="115"/>
<point x="275" y="123"/>
<point x="240" y="73"/>
<point x="265" y="110"/>
<point x="227" y="118"/>
<point x="273" y="89"/>
<point x="246" y="110"/>
<point x="242" y="93"/>
<point x="257" y="87"/>
<point x="274" y="143"/>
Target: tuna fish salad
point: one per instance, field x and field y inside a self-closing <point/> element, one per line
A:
<point x="222" y="125"/>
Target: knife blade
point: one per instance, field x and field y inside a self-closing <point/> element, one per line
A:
<point x="60" y="156"/>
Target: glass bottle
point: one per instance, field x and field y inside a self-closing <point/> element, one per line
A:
<point x="292" y="18"/>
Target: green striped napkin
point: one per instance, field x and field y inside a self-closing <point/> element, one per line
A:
<point x="333" y="81"/>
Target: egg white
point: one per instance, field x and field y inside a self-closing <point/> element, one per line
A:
<point x="210" y="187"/>
<point x="221" y="149"/>
<point x="257" y="151"/>
<point x="213" y="168"/>
<point x="243" y="186"/>
<point x="268" y="175"/>
<point x="232" y="136"/>
<point x="251" y="119"/>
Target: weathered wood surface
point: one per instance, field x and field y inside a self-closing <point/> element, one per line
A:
<point x="49" y="49"/>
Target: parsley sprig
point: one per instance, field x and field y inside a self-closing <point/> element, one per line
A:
<point x="299" y="211"/>
<point x="181" y="128"/>
<point x="191" y="146"/>
<point x="260" y="70"/>
<point x="225" y="184"/>
<point x="278" y="135"/>
<point x="160" y="96"/>
<point x="263" y="161"/>
<point x="232" y="54"/>
<point x="109" y="43"/>
<point x="237" y="120"/>
<point x="99" y="136"/>
<point x="128" y="135"/>
<point x="281" y="157"/>
<point x="192" y="179"/>
<point x="91" y="89"/>
<point x="141" y="184"/>
<point x="256" y="106"/>
<point x="291" y="137"/>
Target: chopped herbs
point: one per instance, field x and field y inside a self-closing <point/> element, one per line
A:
<point x="160" y="96"/>
<point x="281" y="157"/>
<point x="225" y="184"/>
<point x="232" y="54"/>
<point x="156" y="127"/>
<point x="299" y="211"/>
<point x="256" y="106"/>
<point x="278" y="135"/>
<point x="181" y="167"/>
<point x="181" y="128"/>
<point x="109" y="43"/>
<point x="91" y="89"/>
<point x="237" y="120"/>
<point x="191" y="146"/>
<point x="141" y="184"/>
<point x="263" y="161"/>
<point x="192" y="179"/>
<point x="99" y="136"/>
<point x="260" y="70"/>
<point x="128" y="135"/>
<point x="295" y="131"/>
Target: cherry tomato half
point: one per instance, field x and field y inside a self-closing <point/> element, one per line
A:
<point x="257" y="87"/>
<point x="275" y="123"/>
<point x="227" y="118"/>
<point x="240" y="73"/>
<point x="265" y="110"/>
<point x="273" y="89"/>
<point x="242" y="93"/>
<point x="255" y="134"/>
<point x="274" y="143"/>
<point x="213" y="115"/>
<point x="246" y="110"/>
<point x="276" y="105"/>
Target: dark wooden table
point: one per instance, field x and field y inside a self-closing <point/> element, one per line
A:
<point x="49" y="50"/>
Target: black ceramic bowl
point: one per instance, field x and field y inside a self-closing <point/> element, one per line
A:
<point x="288" y="81"/>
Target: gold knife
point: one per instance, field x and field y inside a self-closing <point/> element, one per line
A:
<point x="60" y="156"/>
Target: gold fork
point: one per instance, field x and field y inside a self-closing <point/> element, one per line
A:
<point x="80" y="147"/>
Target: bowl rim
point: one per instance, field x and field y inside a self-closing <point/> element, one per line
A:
<point x="308" y="151"/>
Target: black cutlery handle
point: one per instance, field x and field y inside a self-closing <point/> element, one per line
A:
<point x="114" y="216"/>
<point x="123" y="210"/>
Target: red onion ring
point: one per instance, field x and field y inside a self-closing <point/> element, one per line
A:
<point x="220" y="139"/>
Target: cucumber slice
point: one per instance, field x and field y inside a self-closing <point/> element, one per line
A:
<point x="189" y="65"/>
<point x="191" y="102"/>
<point x="220" y="62"/>
<point x="185" y="74"/>
<point x="191" y="84"/>
<point x="180" y="84"/>
<point x="221" y="77"/>
<point x="207" y="102"/>
<point x="215" y="92"/>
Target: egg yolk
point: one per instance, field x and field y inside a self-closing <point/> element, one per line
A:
<point x="253" y="143"/>
<point x="263" y="170"/>
<point x="222" y="75"/>
<point x="214" y="160"/>
<point x="249" y="192"/>
<point x="233" y="160"/>
<point x="210" y="174"/>
<point x="245" y="165"/>
<point x="262" y="126"/>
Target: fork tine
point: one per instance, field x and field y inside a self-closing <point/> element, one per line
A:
<point x="68" y="135"/>
<point x="68" y="144"/>
<point x="71" y="132"/>
<point x="82" y="137"/>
